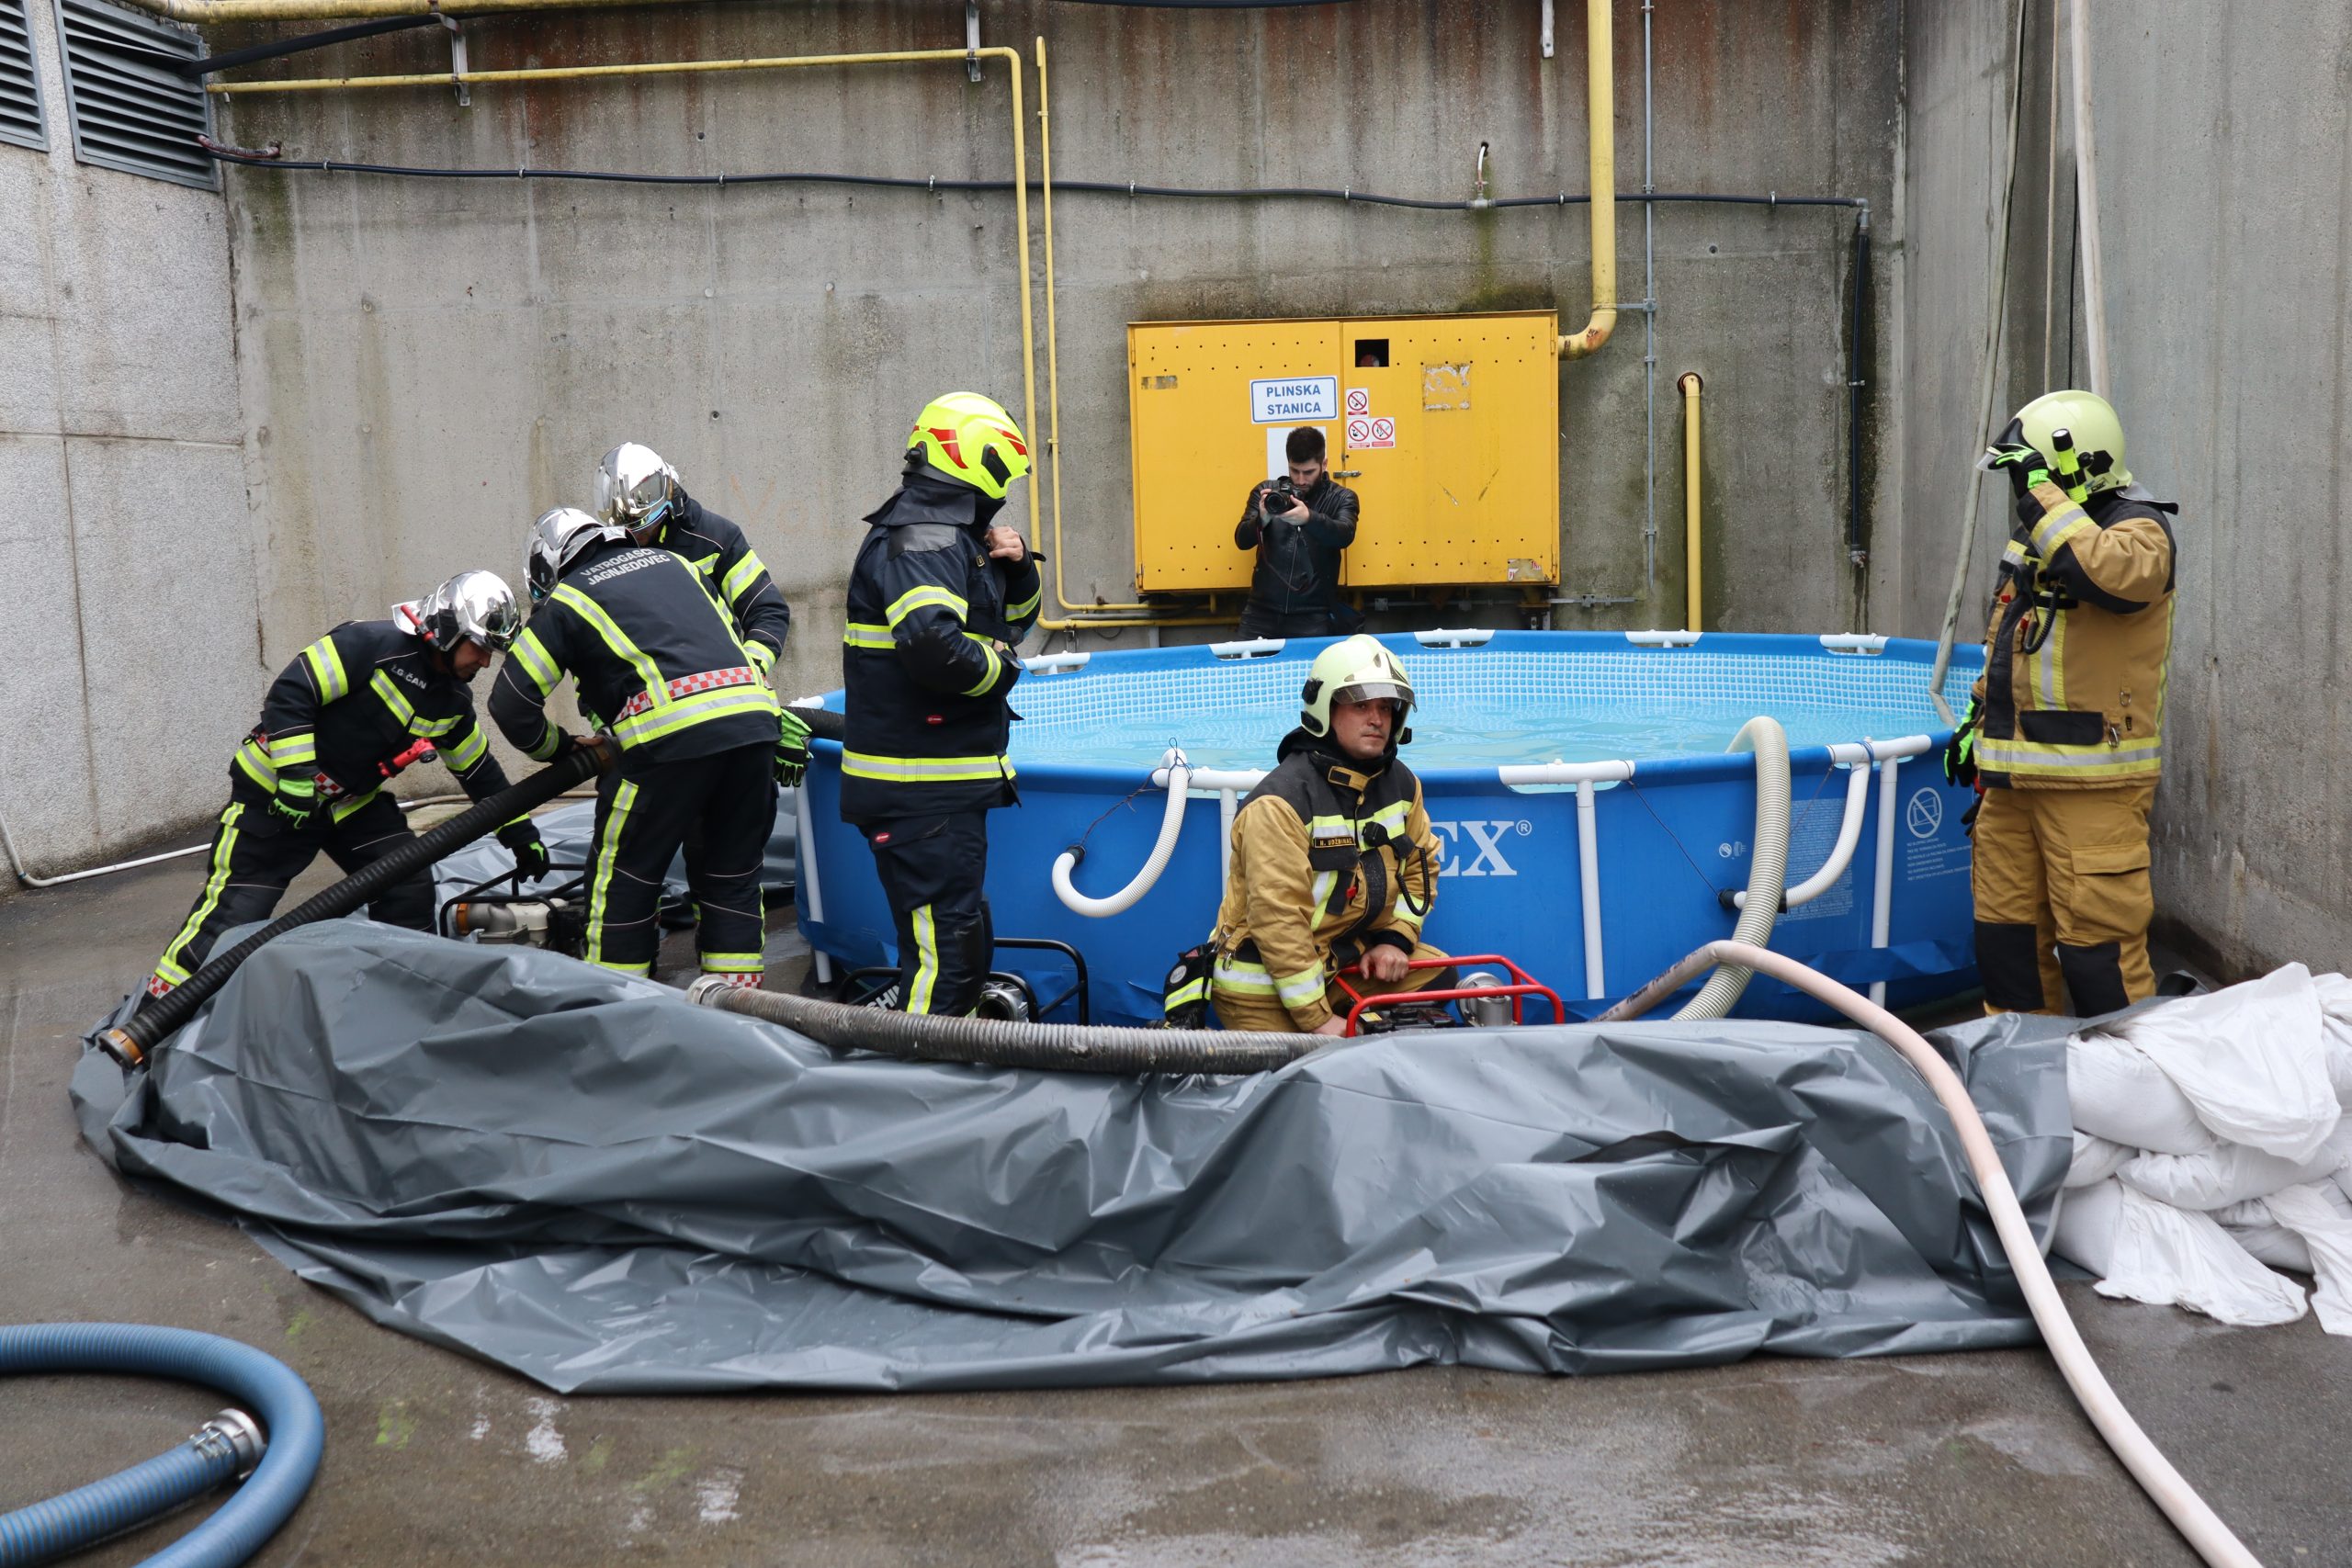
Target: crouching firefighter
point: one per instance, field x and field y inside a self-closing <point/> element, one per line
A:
<point x="658" y="665"/>
<point x="1334" y="865"/>
<point x="338" y="724"/>
<point x="937" y="599"/>
<point x="2065" y="735"/>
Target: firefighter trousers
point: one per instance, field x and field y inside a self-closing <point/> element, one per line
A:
<point x="1250" y="1010"/>
<point x="934" y="869"/>
<point x="255" y="853"/>
<point x="721" y="810"/>
<point x="2063" y="903"/>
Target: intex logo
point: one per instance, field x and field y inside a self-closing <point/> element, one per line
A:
<point x="1482" y="842"/>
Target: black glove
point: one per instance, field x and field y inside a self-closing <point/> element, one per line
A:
<point x="791" y="748"/>
<point x="530" y="850"/>
<point x="1960" y="751"/>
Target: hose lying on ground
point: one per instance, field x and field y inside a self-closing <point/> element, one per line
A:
<point x="2181" y="1504"/>
<point x="1055" y="1047"/>
<point x="131" y="1043"/>
<point x="227" y="1446"/>
<point x="1767" y="870"/>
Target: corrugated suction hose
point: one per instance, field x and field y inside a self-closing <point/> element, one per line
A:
<point x="1054" y="1047"/>
<point x="129" y="1044"/>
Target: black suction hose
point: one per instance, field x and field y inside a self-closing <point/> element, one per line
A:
<point x="129" y="1044"/>
<point x="991" y="1042"/>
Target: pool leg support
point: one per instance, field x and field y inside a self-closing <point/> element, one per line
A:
<point x="2190" y="1513"/>
<point x="1883" y="884"/>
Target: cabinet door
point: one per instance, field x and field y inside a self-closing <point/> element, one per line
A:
<point x="1210" y="404"/>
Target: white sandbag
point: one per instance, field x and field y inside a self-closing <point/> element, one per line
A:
<point x="2118" y="1093"/>
<point x="2322" y="1217"/>
<point x="2088" y="1220"/>
<point x="2227" y="1174"/>
<point x="2169" y="1257"/>
<point x="2253" y="1225"/>
<point x="2094" y="1159"/>
<point x="2250" y="1059"/>
<point x="2272" y="1243"/>
<point x="2335" y="1019"/>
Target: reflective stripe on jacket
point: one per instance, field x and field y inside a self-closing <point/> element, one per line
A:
<point x="649" y="644"/>
<point x="2074" y="684"/>
<point x="1326" y="855"/>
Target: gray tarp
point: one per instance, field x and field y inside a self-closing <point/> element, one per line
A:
<point x="587" y="1179"/>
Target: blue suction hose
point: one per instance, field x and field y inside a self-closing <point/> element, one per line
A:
<point x="227" y="1445"/>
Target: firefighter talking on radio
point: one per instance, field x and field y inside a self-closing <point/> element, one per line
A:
<point x="2065" y="738"/>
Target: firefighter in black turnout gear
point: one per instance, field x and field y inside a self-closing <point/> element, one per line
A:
<point x="937" y="599"/>
<point x="637" y="490"/>
<point x="338" y="724"/>
<point x="660" y="667"/>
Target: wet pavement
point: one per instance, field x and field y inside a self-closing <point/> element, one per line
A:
<point x="432" y="1457"/>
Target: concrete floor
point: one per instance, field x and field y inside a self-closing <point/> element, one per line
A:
<point x="1946" y="1459"/>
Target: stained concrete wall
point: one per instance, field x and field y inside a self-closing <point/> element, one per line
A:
<point x="427" y="363"/>
<point x="134" y="658"/>
<point x="2224" y="152"/>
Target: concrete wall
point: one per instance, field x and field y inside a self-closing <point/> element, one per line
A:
<point x="2225" y="155"/>
<point x="427" y="363"/>
<point x="135" y="655"/>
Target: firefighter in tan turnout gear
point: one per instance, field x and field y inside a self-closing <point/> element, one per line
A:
<point x="1334" y="864"/>
<point x="2065" y="736"/>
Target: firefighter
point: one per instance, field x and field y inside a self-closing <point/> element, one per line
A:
<point x="662" y="671"/>
<point x="338" y="724"/>
<point x="1334" y="865"/>
<point x="2065" y="738"/>
<point x="937" y="599"/>
<point x="641" y="493"/>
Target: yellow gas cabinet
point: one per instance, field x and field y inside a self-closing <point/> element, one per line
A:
<point x="1446" y="426"/>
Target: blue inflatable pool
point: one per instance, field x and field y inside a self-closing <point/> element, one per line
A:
<point x="1591" y="819"/>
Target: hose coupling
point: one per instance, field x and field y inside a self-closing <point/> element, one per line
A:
<point x="125" y="1051"/>
<point x="706" y="991"/>
<point x="232" y="1431"/>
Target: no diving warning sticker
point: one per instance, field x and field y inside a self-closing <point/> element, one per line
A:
<point x="1367" y="433"/>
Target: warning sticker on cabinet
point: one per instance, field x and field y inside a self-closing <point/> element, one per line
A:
<point x="1368" y="433"/>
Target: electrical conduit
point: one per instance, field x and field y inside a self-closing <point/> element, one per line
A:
<point x="1766" y="868"/>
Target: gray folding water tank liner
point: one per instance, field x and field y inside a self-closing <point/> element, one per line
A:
<point x="584" y="1178"/>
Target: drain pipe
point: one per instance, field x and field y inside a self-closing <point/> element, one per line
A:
<point x="2086" y="201"/>
<point x="2165" y="1487"/>
<point x="1768" y="865"/>
<point x="1602" y="147"/>
<point x="1688" y="385"/>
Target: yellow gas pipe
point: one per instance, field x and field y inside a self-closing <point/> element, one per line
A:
<point x="1688" y="385"/>
<point x="1600" y="113"/>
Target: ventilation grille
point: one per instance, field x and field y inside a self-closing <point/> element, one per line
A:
<point x="20" y="120"/>
<point x="129" y="109"/>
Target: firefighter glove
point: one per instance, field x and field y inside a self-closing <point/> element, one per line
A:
<point x="1960" y="751"/>
<point x="2025" y="466"/>
<point x="530" y="851"/>
<point x="791" y="748"/>
<point x="295" y="801"/>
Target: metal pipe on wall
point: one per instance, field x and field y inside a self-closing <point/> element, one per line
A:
<point x="207" y="13"/>
<point x="2086" y="201"/>
<point x="1688" y="385"/>
<point x="1602" y="144"/>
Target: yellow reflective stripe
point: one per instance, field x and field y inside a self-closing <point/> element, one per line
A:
<point x="927" y="961"/>
<point x="1297" y="990"/>
<point x="326" y="669"/>
<point x="608" y="845"/>
<point x="1240" y="976"/>
<point x="1330" y="828"/>
<point x="588" y="609"/>
<point x="734" y="962"/>
<point x="343" y="808"/>
<point x="392" y="697"/>
<point x="543" y="749"/>
<point x="1405" y="919"/>
<point x="2077" y="762"/>
<point x="1324" y="880"/>
<point x="739" y="578"/>
<point x="468" y="751"/>
<point x="1027" y="608"/>
<point x="866" y="633"/>
<point x="2059" y="526"/>
<point x="706" y="565"/>
<point x="919" y="769"/>
<point x="537" y="663"/>
<point x="643" y="969"/>
<point x="256" y="765"/>
<point x="285" y="749"/>
<point x="2013" y="554"/>
<point x="686" y="712"/>
<point x="1392" y="816"/>
<point x="215" y="880"/>
<point x="1192" y="991"/>
<point x="996" y="666"/>
<point x="914" y="599"/>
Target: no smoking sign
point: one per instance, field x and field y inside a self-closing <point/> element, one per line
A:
<point x="1358" y="400"/>
<point x="1366" y="433"/>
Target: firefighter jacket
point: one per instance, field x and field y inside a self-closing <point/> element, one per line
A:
<point x="1298" y="563"/>
<point x="355" y="709"/>
<point x="2074" y="683"/>
<point x="927" y="660"/>
<point x="1327" y="853"/>
<point x="716" y="548"/>
<point x="655" y="657"/>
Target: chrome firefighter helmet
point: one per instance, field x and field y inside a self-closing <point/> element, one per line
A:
<point x="971" y="439"/>
<point x="560" y="536"/>
<point x="635" y="487"/>
<point x="2090" y="423"/>
<point x="473" y="607"/>
<point x="1353" y="670"/>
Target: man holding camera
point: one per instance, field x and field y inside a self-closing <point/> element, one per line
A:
<point x="1298" y="524"/>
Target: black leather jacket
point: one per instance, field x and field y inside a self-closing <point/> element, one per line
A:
<point x="1298" y="563"/>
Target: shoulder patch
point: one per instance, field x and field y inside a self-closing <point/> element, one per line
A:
<point x="914" y="538"/>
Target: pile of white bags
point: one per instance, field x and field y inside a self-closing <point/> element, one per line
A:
<point x="2210" y="1142"/>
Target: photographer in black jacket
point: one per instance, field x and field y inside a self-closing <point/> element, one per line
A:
<point x="1298" y="524"/>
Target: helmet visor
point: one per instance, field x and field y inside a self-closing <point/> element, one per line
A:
<point x="1374" y="692"/>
